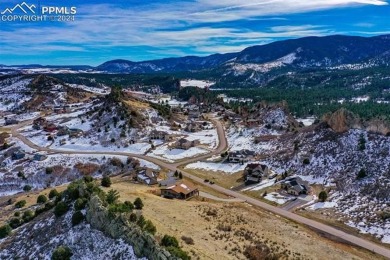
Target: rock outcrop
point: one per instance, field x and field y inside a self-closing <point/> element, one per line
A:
<point x="342" y="120"/>
<point x="144" y="244"/>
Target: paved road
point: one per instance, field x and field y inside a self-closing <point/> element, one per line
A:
<point x="209" y="196"/>
<point x="221" y="147"/>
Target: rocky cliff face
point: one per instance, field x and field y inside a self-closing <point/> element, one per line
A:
<point x="119" y="228"/>
<point x="343" y="120"/>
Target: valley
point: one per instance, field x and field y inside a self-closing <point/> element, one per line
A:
<point x="243" y="160"/>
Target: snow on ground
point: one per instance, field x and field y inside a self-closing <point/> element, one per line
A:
<point x="85" y="144"/>
<point x="217" y="167"/>
<point x="171" y="155"/>
<point x="306" y="121"/>
<point x="323" y="205"/>
<point x="196" y="83"/>
<point x="79" y="124"/>
<point x="276" y="197"/>
<point x="240" y="139"/>
<point x="206" y="137"/>
<point x="147" y="164"/>
<point x="103" y="90"/>
<point x="263" y="184"/>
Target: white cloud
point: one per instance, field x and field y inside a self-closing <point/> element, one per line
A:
<point x="200" y="26"/>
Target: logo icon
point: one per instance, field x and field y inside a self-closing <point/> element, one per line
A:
<point x="25" y="8"/>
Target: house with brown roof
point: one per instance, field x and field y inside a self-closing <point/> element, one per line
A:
<point x="185" y="144"/>
<point x="180" y="190"/>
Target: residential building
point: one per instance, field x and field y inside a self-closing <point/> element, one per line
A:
<point x="180" y="190"/>
<point x="74" y="132"/>
<point x="185" y="144"/>
<point x="255" y="172"/>
<point x="155" y="134"/>
<point x="39" y="157"/>
<point x="241" y="156"/>
<point x="295" y="186"/>
<point x="18" y="155"/>
<point x="147" y="176"/>
<point x="11" y="121"/>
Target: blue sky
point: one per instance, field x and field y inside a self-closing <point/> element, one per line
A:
<point x="143" y="30"/>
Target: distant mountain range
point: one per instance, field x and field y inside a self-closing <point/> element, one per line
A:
<point x="256" y="65"/>
<point x="308" y="52"/>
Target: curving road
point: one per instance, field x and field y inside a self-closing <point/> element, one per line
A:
<point x="222" y="145"/>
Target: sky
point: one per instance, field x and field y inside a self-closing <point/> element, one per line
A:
<point x="144" y="30"/>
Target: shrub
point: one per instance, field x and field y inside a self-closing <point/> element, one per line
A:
<point x="361" y="174"/>
<point x="133" y="217"/>
<point x="178" y="252"/>
<point x="20" y="204"/>
<point x="180" y="175"/>
<point x="106" y="181"/>
<point x="138" y="204"/>
<point x="112" y="196"/>
<point x="15" y="222"/>
<point x="258" y="251"/>
<point x="53" y="193"/>
<point x="116" y="161"/>
<point x="306" y="161"/>
<point x="77" y="218"/>
<point x="60" y="209"/>
<point x="88" y="179"/>
<point x="49" y="170"/>
<point x="141" y="221"/>
<point x="5" y="231"/>
<point x="62" y="253"/>
<point x="168" y="240"/>
<point x="80" y="203"/>
<point x="21" y="175"/>
<point x="27" y="188"/>
<point x="187" y="240"/>
<point x="72" y="191"/>
<point x="28" y="215"/>
<point x="322" y="196"/>
<point x="17" y="214"/>
<point x="41" y="199"/>
<point x="49" y="205"/>
<point x="150" y="227"/>
<point x="40" y="210"/>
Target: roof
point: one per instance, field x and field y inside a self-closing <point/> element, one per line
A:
<point x="242" y="152"/>
<point x="184" y="187"/>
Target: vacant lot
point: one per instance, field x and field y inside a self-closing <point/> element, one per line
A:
<point x="223" y="230"/>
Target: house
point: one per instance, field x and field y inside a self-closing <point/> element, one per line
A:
<point x="185" y="144"/>
<point x="11" y="121"/>
<point x="295" y="186"/>
<point x="155" y="134"/>
<point x="18" y="155"/>
<point x="254" y="172"/>
<point x="62" y="130"/>
<point x="241" y="156"/>
<point x="50" y="127"/>
<point x="75" y="132"/>
<point x="39" y="123"/>
<point x="180" y="190"/>
<point x="39" y="157"/>
<point x="193" y="127"/>
<point x="147" y="176"/>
